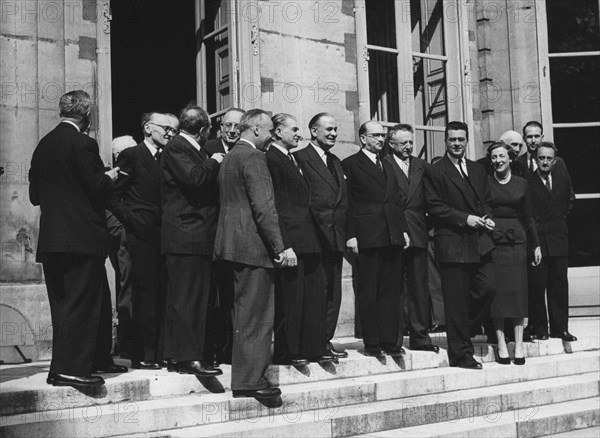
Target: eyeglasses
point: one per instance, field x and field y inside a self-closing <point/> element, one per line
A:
<point x="230" y="126"/>
<point x="376" y="135"/>
<point x="167" y="129"/>
<point x="401" y="143"/>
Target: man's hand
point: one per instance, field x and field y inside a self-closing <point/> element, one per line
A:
<point x="281" y="260"/>
<point x="292" y="260"/>
<point x="352" y="245"/>
<point x="475" y="221"/>
<point x="489" y="224"/>
<point x="406" y="241"/>
<point x="537" y="256"/>
<point x="113" y="173"/>
<point x="218" y="157"/>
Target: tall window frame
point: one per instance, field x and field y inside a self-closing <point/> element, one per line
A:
<point x="455" y="59"/>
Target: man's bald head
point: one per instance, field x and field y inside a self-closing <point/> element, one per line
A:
<point x="512" y="139"/>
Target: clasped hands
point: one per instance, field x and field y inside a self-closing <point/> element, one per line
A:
<point x="480" y="222"/>
<point x="352" y="244"/>
<point x="286" y="258"/>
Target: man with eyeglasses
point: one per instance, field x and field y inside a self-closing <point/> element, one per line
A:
<point x="378" y="234"/>
<point x="458" y="201"/>
<point x="230" y="132"/>
<point x="409" y="171"/>
<point x="136" y="203"/>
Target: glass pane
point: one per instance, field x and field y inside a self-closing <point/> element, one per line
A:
<point x="427" y="26"/>
<point x="575" y="89"/>
<point x="572" y="25"/>
<point x="429" y="144"/>
<point x="429" y="78"/>
<point x="580" y="148"/>
<point x="381" y="23"/>
<point x="383" y="86"/>
<point x="584" y="233"/>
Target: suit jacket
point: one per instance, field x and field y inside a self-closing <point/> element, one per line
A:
<point x="67" y="181"/>
<point x="190" y="199"/>
<point x="292" y="198"/>
<point x="375" y="207"/>
<point x="550" y="212"/>
<point x="136" y="199"/>
<point x="328" y="197"/>
<point x="450" y="200"/>
<point x="248" y="230"/>
<point x="411" y="188"/>
<point x="214" y="146"/>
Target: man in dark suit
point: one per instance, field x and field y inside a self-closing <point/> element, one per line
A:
<point x="551" y="195"/>
<point x="136" y="203"/>
<point x="299" y="291"/>
<point x="329" y="203"/>
<point x="190" y="202"/>
<point x="220" y="326"/>
<point x="249" y="238"/>
<point x="409" y="171"/>
<point x="458" y="201"/>
<point x="68" y="182"/>
<point x="377" y="232"/>
<point x="230" y="132"/>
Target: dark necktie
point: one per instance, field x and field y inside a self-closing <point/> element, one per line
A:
<point x="462" y="171"/>
<point x="330" y="165"/>
<point x="291" y="157"/>
<point x="378" y="162"/>
<point x="157" y="155"/>
<point x="531" y="164"/>
<point x="547" y="183"/>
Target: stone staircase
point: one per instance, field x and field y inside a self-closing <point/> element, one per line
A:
<point x="416" y="395"/>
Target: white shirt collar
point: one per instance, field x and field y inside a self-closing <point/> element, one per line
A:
<point x="371" y="155"/>
<point x="191" y="140"/>
<point x="225" y="145"/>
<point x="455" y="162"/>
<point x="401" y="162"/>
<point x="248" y="141"/>
<point x="153" y="150"/>
<point x="71" y="123"/>
<point x="283" y="150"/>
<point x="320" y="151"/>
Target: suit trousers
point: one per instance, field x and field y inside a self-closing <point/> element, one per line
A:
<point x="121" y="263"/>
<point x="332" y="265"/>
<point x="468" y="293"/>
<point x="149" y="293"/>
<point x="379" y="295"/>
<point x="417" y="296"/>
<point x="81" y="313"/>
<point x="253" y="312"/>
<point x="434" y="283"/>
<point x="219" y="332"/>
<point x="300" y="309"/>
<point x="187" y="300"/>
<point x="549" y="280"/>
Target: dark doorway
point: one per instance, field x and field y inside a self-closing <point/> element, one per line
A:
<point x="153" y="55"/>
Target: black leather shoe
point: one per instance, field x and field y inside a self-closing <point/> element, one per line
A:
<point x="145" y="365"/>
<point x="503" y="360"/>
<point x="198" y="368"/>
<point x="298" y="362"/>
<point x="437" y="329"/>
<point x="326" y="359"/>
<point x="338" y="354"/>
<point x="565" y="336"/>
<point x="394" y="351"/>
<point x="265" y="393"/>
<point x="427" y="347"/>
<point x="114" y="369"/>
<point x="469" y="363"/>
<point x="519" y="361"/>
<point x="373" y="352"/>
<point x="542" y="337"/>
<point x="56" y="379"/>
<point x="172" y="366"/>
<point x="527" y="337"/>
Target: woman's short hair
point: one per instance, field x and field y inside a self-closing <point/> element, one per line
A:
<point x="500" y="144"/>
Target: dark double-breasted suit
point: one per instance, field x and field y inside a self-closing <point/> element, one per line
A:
<point x="214" y="146"/>
<point x="67" y="181"/>
<point x="415" y="257"/>
<point x="549" y="278"/>
<point x="376" y="219"/>
<point x="136" y="203"/>
<point x="249" y="238"/>
<point x="299" y="291"/>
<point x="190" y="202"/>
<point x="463" y="253"/>
<point x="329" y="204"/>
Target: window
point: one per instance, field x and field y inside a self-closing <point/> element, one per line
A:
<point x="414" y="57"/>
<point x="569" y="46"/>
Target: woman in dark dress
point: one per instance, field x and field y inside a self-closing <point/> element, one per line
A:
<point x="514" y="235"/>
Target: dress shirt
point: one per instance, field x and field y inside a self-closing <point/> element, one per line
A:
<point x="455" y="162"/>
<point x="529" y="160"/>
<point x="153" y="149"/>
<point x="543" y="178"/>
<point x="403" y="164"/>
<point x="321" y="153"/>
<point x="371" y="155"/>
<point x="191" y="140"/>
<point x="71" y="123"/>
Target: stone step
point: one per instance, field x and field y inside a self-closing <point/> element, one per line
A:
<point x="575" y="418"/>
<point x="368" y="418"/>
<point x="323" y="400"/>
<point x="25" y="390"/>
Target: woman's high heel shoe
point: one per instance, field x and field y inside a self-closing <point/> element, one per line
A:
<point x="519" y="361"/>
<point x="503" y="360"/>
